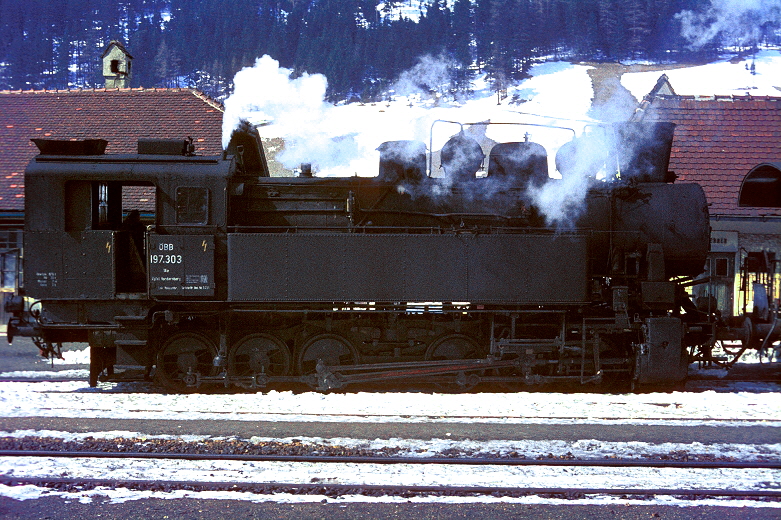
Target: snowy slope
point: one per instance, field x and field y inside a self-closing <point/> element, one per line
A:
<point x="720" y="78"/>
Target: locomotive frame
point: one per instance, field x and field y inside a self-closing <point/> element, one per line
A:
<point x="246" y="280"/>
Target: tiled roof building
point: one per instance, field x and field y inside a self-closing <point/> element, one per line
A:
<point x="718" y="140"/>
<point x="731" y="146"/>
<point x="120" y="116"/>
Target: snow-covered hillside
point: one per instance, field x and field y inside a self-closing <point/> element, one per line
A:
<point x="755" y="76"/>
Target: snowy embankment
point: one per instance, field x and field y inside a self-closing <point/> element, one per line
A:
<point x="353" y="474"/>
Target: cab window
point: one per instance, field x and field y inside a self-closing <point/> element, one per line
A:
<point x="192" y="205"/>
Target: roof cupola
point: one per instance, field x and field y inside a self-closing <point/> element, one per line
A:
<point x="116" y="65"/>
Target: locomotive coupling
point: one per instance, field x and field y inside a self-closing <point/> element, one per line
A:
<point x="18" y="324"/>
<point x="18" y="327"/>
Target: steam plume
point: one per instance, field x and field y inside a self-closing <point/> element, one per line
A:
<point x="579" y="162"/>
<point x="629" y="152"/>
<point x="266" y="93"/>
<point x="737" y="20"/>
<point x="429" y="74"/>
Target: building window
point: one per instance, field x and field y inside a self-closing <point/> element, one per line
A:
<point x="103" y="205"/>
<point x="10" y="259"/>
<point x="721" y="267"/>
<point x="761" y="188"/>
<point x="9" y="265"/>
<point x="759" y="268"/>
<point x="719" y="292"/>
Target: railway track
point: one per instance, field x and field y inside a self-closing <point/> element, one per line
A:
<point x="336" y="490"/>
<point x="695" y="383"/>
<point x="130" y="402"/>
<point x="341" y="466"/>
<point x="379" y="475"/>
<point x="453" y="461"/>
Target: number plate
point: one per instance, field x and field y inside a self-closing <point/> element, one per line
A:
<point x="181" y="265"/>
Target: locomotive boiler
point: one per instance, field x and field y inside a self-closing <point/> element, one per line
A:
<point x="232" y="278"/>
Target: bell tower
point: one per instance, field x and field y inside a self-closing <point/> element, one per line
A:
<point x="116" y="65"/>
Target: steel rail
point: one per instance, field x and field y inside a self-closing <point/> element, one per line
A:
<point x="42" y="380"/>
<point x="374" y="489"/>
<point x="378" y="418"/>
<point x="715" y="382"/>
<point x="477" y="461"/>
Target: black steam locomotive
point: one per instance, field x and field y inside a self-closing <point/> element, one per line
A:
<point x="231" y="277"/>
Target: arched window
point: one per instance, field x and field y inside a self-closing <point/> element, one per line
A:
<point x="762" y="187"/>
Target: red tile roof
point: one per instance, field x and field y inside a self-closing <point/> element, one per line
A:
<point x="120" y="116"/>
<point x="718" y="140"/>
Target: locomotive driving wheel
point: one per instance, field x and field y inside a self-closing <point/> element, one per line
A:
<point x="257" y="354"/>
<point x="331" y="349"/>
<point x="182" y="358"/>
<point x="453" y="347"/>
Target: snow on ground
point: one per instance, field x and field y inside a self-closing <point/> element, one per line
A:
<point x="406" y="474"/>
<point x="46" y="374"/>
<point x="76" y="399"/>
<point x="40" y="397"/>
<point x="720" y="78"/>
<point x="368" y="474"/>
<point x="73" y="357"/>
<point x="362" y="474"/>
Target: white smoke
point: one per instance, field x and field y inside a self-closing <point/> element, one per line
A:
<point x="624" y="152"/>
<point x="319" y="133"/>
<point x="429" y="75"/>
<point x="580" y="163"/>
<point x="736" y="20"/>
<point x="267" y="93"/>
<point x="561" y="201"/>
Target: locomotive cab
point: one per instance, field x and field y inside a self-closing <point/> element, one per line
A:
<point x="107" y="235"/>
<point x="94" y="225"/>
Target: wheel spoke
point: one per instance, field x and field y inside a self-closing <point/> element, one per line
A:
<point x="453" y="347"/>
<point x="332" y="349"/>
<point x="258" y="354"/>
<point x="184" y="353"/>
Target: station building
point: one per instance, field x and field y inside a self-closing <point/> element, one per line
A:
<point x="731" y="146"/>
